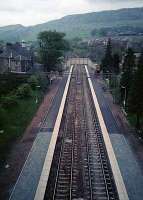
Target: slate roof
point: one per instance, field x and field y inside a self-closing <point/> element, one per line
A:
<point x="16" y="51"/>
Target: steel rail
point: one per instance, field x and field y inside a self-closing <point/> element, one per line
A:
<point x="62" y="153"/>
<point x="99" y="149"/>
<point x="87" y="145"/>
<point x="57" y="174"/>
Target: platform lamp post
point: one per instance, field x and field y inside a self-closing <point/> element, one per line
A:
<point x="9" y="62"/>
<point x="125" y="95"/>
<point x="37" y="87"/>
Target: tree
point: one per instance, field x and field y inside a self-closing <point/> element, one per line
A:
<point x="52" y="46"/>
<point x="128" y="71"/>
<point x="43" y="81"/>
<point x="33" y="81"/>
<point x="102" y="32"/>
<point x="99" y="32"/>
<point x="107" y="62"/>
<point x="24" y="91"/>
<point x="116" y="64"/>
<point x="135" y="103"/>
<point x="94" y="32"/>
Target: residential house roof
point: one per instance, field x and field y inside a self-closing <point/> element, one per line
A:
<point x="16" y="51"/>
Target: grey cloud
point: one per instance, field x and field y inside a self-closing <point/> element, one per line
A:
<point x="11" y="6"/>
<point x="115" y="1"/>
<point x="22" y="11"/>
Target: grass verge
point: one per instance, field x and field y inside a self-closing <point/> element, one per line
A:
<point x="14" y="121"/>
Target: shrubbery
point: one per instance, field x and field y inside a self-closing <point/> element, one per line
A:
<point x="43" y="81"/>
<point x="2" y="117"/>
<point x="33" y="81"/>
<point x="9" y="82"/>
<point x="24" y="90"/>
<point x="9" y="101"/>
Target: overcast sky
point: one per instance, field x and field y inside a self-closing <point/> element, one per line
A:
<point x="30" y="12"/>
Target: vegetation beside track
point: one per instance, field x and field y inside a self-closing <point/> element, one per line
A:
<point x="126" y="83"/>
<point x="17" y="108"/>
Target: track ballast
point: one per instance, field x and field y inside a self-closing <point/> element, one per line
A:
<point x="80" y="167"/>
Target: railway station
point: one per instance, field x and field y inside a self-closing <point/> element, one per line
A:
<point x="75" y="155"/>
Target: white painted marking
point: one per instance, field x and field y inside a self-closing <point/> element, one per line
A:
<point x="49" y="157"/>
<point x="121" y="189"/>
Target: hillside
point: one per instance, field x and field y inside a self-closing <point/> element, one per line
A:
<point x="79" y="25"/>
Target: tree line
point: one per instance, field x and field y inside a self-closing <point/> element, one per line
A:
<point x="131" y="79"/>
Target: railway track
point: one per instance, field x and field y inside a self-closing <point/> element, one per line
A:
<point x="80" y="167"/>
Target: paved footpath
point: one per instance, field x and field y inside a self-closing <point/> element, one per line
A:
<point x="127" y="147"/>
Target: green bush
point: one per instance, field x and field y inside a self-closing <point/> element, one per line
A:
<point x="9" y="101"/>
<point x="24" y="90"/>
<point x="9" y="82"/>
<point x="43" y="81"/>
<point x="2" y="117"/>
<point x="33" y="81"/>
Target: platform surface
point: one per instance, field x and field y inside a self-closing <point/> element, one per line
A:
<point x="129" y="167"/>
<point x="27" y="183"/>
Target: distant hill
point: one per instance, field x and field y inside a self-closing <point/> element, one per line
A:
<point x="79" y="25"/>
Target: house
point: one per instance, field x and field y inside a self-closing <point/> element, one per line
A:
<point x="136" y="58"/>
<point x="16" y="58"/>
